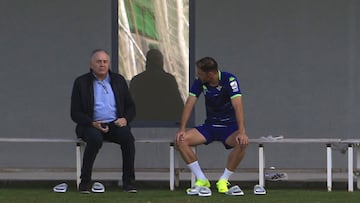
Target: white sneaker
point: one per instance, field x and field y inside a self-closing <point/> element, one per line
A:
<point x="259" y="190"/>
<point x="61" y="188"/>
<point x="199" y="190"/>
<point x="235" y="191"/>
<point x="98" y="188"/>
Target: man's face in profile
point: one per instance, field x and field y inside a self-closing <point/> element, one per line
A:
<point x="203" y="76"/>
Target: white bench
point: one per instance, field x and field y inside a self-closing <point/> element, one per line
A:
<point x="326" y="141"/>
<point x="172" y="177"/>
<point x="80" y="148"/>
<point x="351" y="144"/>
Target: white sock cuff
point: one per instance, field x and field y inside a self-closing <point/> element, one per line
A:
<point x="228" y="171"/>
<point x="195" y="168"/>
<point x="193" y="163"/>
<point x="226" y="175"/>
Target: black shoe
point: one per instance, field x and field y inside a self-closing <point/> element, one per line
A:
<point x="85" y="187"/>
<point x="130" y="189"/>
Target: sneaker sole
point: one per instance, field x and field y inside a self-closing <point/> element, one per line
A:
<point x="97" y="191"/>
<point x="204" y="195"/>
<point x="235" y="194"/>
<point x="191" y="193"/>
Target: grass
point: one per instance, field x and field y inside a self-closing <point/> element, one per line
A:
<point x="44" y="194"/>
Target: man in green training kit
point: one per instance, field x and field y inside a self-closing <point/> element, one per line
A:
<point x="224" y="123"/>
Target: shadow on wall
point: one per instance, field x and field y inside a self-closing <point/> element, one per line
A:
<point x="156" y="92"/>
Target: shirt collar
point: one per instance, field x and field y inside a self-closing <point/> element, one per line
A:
<point x="107" y="79"/>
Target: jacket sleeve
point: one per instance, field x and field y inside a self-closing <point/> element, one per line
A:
<point x="78" y="110"/>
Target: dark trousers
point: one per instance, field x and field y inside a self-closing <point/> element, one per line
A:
<point x="94" y="139"/>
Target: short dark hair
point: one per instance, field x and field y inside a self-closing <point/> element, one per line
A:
<point x="207" y="64"/>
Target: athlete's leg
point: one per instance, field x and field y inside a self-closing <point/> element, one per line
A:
<point x="234" y="159"/>
<point x="237" y="153"/>
<point x="191" y="138"/>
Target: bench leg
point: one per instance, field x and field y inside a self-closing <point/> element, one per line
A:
<point x="79" y="157"/>
<point x="350" y="169"/>
<point x="78" y="164"/>
<point x="261" y="166"/>
<point x="329" y="167"/>
<point x="172" y="166"/>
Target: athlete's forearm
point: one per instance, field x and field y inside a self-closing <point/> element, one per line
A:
<point x="239" y="113"/>
<point x="241" y="123"/>
<point x="189" y="104"/>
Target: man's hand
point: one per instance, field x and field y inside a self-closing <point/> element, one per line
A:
<point x="242" y="138"/>
<point x="100" y="126"/>
<point x="179" y="136"/>
<point x="121" y="122"/>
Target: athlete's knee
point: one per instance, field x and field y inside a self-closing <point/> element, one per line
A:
<point x="182" y="142"/>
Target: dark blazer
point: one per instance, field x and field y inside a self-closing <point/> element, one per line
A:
<point x="82" y="100"/>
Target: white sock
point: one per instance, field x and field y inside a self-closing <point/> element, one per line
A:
<point x="195" y="168"/>
<point x="226" y="175"/>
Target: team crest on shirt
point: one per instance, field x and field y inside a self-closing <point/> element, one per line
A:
<point x="233" y="84"/>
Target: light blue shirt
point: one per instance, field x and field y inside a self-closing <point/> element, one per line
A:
<point x="105" y="107"/>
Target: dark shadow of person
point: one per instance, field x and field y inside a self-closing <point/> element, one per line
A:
<point x="156" y="92"/>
